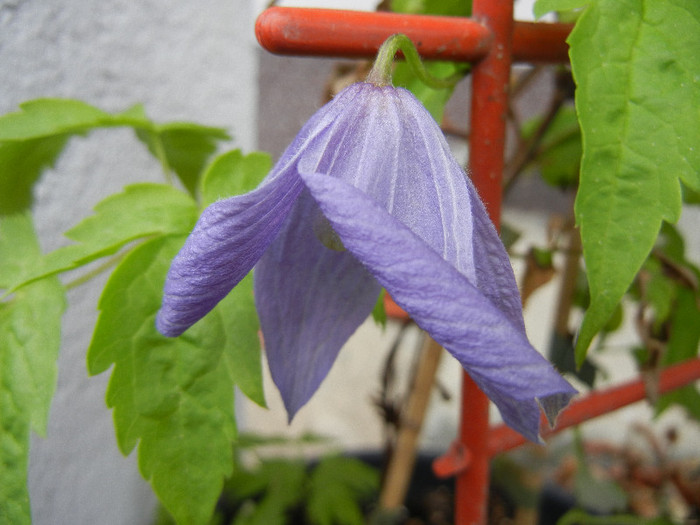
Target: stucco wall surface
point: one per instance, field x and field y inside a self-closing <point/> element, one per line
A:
<point x="184" y="61"/>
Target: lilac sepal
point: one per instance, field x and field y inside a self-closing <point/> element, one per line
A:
<point x="384" y="176"/>
<point x="494" y="351"/>
<point x="310" y="300"/>
<point x="232" y="234"/>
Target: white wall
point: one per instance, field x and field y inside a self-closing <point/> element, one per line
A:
<point x="184" y="61"/>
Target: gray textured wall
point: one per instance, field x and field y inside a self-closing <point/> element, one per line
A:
<point x="184" y="61"/>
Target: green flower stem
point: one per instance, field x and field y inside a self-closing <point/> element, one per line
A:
<point x="381" y="73"/>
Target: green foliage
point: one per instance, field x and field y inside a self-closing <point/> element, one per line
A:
<point x="233" y="173"/>
<point x="603" y="496"/>
<point x="581" y="517"/>
<point x="335" y="487"/>
<point x="32" y="138"/>
<point x="559" y="155"/>
<point x="668" y="288"/>
<point x="637" y="98"/>
<point x="30" y="337"/>
<point x="327" y="493"/>
<point x="171" y="397"/>
<point x="635" y="158"/>
<point x="163" y="389"/>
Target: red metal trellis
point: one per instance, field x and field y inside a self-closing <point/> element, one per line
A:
<point x="491" y="40"/>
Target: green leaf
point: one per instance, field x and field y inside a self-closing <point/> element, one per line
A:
<point x="183" y="147"/>
<point x="241" y="356"/>
<point x="282" y="483"/>
<point x="32" y="138"/>
<point x="174" y="396"/>
<point x="636" y="68"/>
<point x="337" y="487"/>
<point x="50" y="116"/>
<point x="683" y="344"/>
<point x="232" y="173"/>
<point x="379" y="310"/>
<point x="21" y="164"/>
<point x="141" y="210"/>
<point x="559" y="157"/>
<point x="30" y="333"/>
<point x="433" y="7"/>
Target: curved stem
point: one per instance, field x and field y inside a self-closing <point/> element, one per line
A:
<point x="381" y="72"/>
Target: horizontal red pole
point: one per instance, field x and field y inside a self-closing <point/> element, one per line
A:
<point x="541" y="42"/>
<point x="358" y="34"/>
<point x="503" y="438"/>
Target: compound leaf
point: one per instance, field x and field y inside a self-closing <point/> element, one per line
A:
<point x="30" y="333"/>
<point x="171" y="396"/>
<point x="183" y="147"/>
<point x="32" y="138"/>
<point x="140" y="210"/>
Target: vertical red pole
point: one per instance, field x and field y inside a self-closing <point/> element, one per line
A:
<point x="490" y="81"/>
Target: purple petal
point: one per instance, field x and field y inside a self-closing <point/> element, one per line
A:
<point x="310" y="300"/>
<point x="231" y="235"/>
<point x="394" y="151"/>
<point x="491" y="348"/>
<point x="229" y="238"/>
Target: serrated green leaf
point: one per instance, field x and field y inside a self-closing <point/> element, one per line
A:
<point x="239" y="319"/>
<point x="32" y="138"/>
<point x="183" y="147"/>
<point x="337" y="487"/>
<point x="172" y="396"/>
<point x="21" y="164"/>
<point x="50" y="116"/>
<point x="542" y="7"/>
<point x="30" y="331"/>
<point x="636" y="68"/>
<point x="233" y="173"/>
<point x="35" y="319"/>
<point x="141" y="210"/>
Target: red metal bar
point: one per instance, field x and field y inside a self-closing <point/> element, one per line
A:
<point x="489" y="106"/>
<point x="355" y="34"/>
<point x="596" y="404"/>
<point x="540" y="42"/>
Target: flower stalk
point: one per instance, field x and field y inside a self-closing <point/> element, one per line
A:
<point x="381" y="73"/>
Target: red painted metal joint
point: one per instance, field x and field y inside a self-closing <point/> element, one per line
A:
<point x="358" y="34"/>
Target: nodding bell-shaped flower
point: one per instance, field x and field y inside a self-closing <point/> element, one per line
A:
<point x="368" y="195"/>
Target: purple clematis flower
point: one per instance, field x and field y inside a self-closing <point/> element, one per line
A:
<point x="367" y="196"/>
